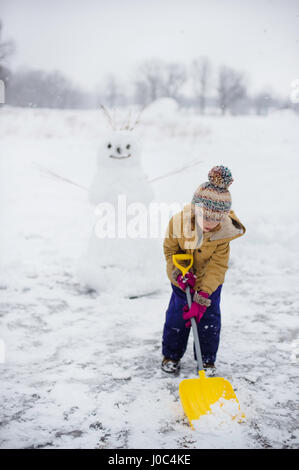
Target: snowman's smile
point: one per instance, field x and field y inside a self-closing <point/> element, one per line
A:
<point x="120" y="157"/>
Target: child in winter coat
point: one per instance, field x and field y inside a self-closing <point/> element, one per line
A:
<point x="204" y="229"/>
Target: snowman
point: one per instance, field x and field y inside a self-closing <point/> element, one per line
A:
<point x="117" y="259"/>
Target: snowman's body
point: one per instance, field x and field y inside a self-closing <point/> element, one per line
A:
<point x="122" y="262"/>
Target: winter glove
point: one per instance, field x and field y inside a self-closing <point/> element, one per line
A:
<point x="188" y="280"/>
<point x="198" y="307"/>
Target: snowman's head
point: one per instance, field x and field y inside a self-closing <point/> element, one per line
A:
<point x="120" y="148"/>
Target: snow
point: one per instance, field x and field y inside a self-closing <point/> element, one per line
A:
<point x="161" y="109"/>
<point x="223" y="424"/>
<point x="82" y="370"/>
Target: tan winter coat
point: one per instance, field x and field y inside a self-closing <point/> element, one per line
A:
<point x="210" y="249"/>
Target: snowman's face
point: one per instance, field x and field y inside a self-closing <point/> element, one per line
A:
<point x="121" y="146"/>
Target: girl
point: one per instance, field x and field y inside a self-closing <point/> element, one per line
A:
<point x="203" y="228"/>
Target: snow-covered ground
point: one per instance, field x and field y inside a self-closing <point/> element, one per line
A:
<point x="82" y="370"/>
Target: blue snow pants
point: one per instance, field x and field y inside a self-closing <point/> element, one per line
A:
<point x="175" y="333"/>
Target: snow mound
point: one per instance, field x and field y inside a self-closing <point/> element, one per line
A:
<point x="223" y="413"/>
<point x="222" y="425"/>
<point x="163" y="108"/>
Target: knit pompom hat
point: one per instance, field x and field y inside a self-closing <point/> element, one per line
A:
<point x="213" y="195"/>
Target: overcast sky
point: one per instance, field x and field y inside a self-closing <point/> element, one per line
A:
<point x="87" y="39"/>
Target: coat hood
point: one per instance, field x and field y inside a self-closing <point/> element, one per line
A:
<point x="230" y="228"/>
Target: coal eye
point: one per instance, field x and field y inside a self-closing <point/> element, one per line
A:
<point x="109" y="146"/>
<point x="128" y="146"/>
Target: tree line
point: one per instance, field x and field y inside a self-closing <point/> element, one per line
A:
<point x="223" y="90"/>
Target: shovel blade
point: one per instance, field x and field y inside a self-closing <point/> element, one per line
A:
<point x="197" y="395"/>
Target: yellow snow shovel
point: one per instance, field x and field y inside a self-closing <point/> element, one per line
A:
<point x="197" y="395"/>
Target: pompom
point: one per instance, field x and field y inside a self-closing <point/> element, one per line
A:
<point x="220" y="176"/>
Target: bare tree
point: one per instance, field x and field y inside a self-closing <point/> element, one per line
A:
<point x="141" y="93"/>
<point x="262" y="102"/>
<point x="201" y="75"/>
<point x="174" y="76"/>
<point x="156" y="78"/>
<point x="111" y="91"/>
<point x="150" y="74"/>
<point x="7" y="48"/>
<point x="231" y="88"/>
<point x="37" y="88"/>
